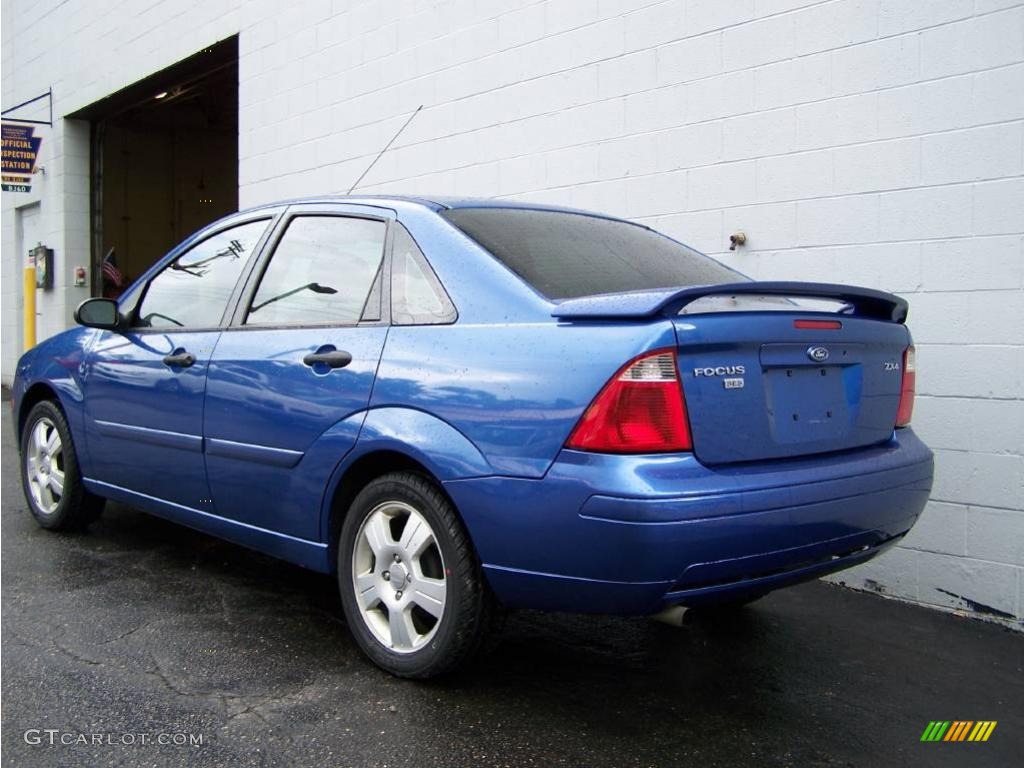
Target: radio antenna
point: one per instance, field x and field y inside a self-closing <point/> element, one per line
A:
<point x="386" y="147"/>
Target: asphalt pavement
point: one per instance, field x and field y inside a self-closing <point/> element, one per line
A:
<point x="141" y="631"/>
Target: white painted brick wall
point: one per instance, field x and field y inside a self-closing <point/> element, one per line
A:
<point x="878" y="142"/>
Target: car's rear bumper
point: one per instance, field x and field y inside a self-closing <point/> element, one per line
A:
<point x="633" y="534"/>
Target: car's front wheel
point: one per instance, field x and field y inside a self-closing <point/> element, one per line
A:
<point x="412" y="589"/>
<point x="50" y="476"/>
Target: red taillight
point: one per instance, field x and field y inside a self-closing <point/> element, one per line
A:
<point x="906" y="409"/>
<point x="641" y="410"/>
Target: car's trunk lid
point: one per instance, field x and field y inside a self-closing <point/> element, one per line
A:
<point x="757" y="387"/>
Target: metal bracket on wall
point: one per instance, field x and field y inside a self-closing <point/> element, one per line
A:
<point x="49" y="98"/>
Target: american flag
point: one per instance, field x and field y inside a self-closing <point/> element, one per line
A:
<point x="110" y="271"/>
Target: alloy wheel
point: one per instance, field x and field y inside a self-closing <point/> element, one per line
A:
<point x="398" y="576"/>
<point x="44" y="466"/>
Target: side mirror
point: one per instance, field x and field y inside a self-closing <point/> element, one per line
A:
<point x="98" y="313"/>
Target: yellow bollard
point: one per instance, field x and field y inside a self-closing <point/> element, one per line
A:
<point x="30" y="304"/>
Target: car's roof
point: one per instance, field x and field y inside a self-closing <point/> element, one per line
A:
<point x="433" y="202"/>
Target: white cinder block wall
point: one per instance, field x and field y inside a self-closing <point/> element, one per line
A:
<point x="876" y="142"/>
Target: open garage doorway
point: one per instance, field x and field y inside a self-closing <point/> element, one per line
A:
<point x="164" y="163"/>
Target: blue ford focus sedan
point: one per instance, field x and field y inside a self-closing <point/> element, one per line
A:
<point x="461" y="406"/>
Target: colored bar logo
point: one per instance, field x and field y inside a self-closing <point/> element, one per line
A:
<point x="958" y="730"/>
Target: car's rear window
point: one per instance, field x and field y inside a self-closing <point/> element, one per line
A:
<point x="566" y="255"/>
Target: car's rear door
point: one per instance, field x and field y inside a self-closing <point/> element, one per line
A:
<point x="291" y="377"/>
<point x="144" y="386"/>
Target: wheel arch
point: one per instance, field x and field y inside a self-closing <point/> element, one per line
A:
<point x="360" y="473"/>
<point x="395" y="439"/>
<point x="36" y="393"/>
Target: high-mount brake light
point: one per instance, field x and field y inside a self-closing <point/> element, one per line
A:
<point x="818" y="325"/>
<point x="641" y="410"/>
<point x="907" y="389"/>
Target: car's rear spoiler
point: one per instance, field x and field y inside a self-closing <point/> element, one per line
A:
<point x="863" y="302"/>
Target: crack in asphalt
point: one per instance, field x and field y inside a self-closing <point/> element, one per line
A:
<point x="76" y="656"/>
<point x="130" y="632"/>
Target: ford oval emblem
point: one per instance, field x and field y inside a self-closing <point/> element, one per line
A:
<point x="818" y="354"/>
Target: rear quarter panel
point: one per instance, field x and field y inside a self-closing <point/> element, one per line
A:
<point x="514" y="390"/>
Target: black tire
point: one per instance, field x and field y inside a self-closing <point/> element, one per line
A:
<point x="76" y="507"/>
<point x="470" y="610"/>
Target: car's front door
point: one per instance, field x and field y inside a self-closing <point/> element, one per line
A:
<point x="291" y="377"/>
<point x="144" y="386"/>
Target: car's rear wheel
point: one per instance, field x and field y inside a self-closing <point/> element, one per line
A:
<point x="412" y="589"/>
<point x="50" y="476"/>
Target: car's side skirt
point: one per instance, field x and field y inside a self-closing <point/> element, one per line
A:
<point x="309" y="554"/>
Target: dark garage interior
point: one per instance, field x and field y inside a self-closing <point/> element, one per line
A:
<point x="164" y="161"/>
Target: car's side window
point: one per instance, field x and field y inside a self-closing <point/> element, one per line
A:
<point x="193" y="290"/>
<point x="417" y="296"/>
<point x="321" y="272"/>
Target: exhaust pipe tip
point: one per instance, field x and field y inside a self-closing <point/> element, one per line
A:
<point x="673" y="615"/>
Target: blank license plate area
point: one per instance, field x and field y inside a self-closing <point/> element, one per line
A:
<point x="807" y="403"/>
